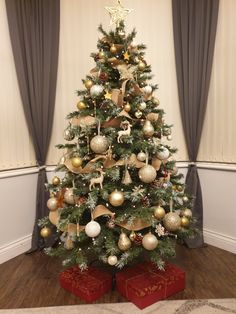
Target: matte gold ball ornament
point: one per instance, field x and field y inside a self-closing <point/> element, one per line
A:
<point x="112" y="260"/>
<point x="52" y="203"/>
<point x="147" y="174"/>
<point x="56" y="181"/>
<point x="184" y="222"/>
<point x="81" y="105"/>
<point x="127" y="107"/>
<point x="149" y="241"/>
<point x="159" y="212"/>
<point x="172" y="221"/>
<point x="88" y="84"/>
<point x="124" y="242"/>
<point x="76" y="162"/>
<point x="113" y="49"/>
<point x="101" y="54"/>
<point x="99" y="144"/>
<point x="141" y="65"/>
<point x="45" y="232"/>
<point x="116" y="198"/>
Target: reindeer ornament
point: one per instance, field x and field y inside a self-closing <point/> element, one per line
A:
<point x="98" y="180"/>
<point x="125" y="132"/>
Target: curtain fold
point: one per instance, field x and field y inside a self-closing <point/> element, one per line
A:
<point x="194" y="26"/>
<point x="34" y="32"/>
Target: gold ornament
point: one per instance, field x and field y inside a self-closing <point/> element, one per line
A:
<point x="187" y="213"/>
<point x="127" y="178"/>
<point x="76" y="162"/>
<point x="127" y="107"/>
<point x="138" y="114"/>
<point x="124" y="242"/>
<point x="99" y="144"/>
<point x="69" y="244"/>
<point x="126" y="55"/>
<point x="101" y="54"/>
<point x="116" y="198"/>
<point x="81" y="105"/>
<point x="88" y="84"/>
<point x="172" y="221"/>
<point x="56" y="181"/>
<point x="52" y="203"/>
<point x="149" y="241"/>
<point x="141" y="65"/>
<point x="112" y="260"/>
<point x="148" y="129"/>
<point x="96" y="90"/>
<point x="113" y="49"/>
<point x="147" y="174"/>
<point x="97" y="180"/>
<point x="141" y="156"/>
<point x="69" y="196"/>
<point x="152" y="116"/>
<point x="184" y="222"/>
<point x="132" y="236"/>
<point x="117" y="13"/>
<point x="180" y="188"/>
<point x="45" y="232"/>
<point x="185" y="199"/>
<point x="159" y="212"/>
<point x="108" y="95"/>
<point x="163" y="153"/>
<point x="156" y="101"/>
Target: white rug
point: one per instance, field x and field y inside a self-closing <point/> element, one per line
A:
<point x="217" y="306"/>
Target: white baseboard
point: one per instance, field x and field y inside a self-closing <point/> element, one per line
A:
<point x="15" y="248"/>
<point x="220" y="240"/>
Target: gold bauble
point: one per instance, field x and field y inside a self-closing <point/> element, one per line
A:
<point x="116" y="198"/>
<point x="141" y="156"/>
<point x="52" y="203"/>
<point x="81" y="105"/>
<point x="147" y="174"/>
<point x="112" y="260"/>
<point x="45" y="232"/>
<point x="185" y="199"/>
<point x="132" y="236"/>
<point x="101" y="54"/>
<point x="138" y="114"/>
<point x="69" y="196"/>
<point x="149" y="241"/>
<point x="88" y="84"/>
<point x="99" y="144"/>
<point x="148" y="129"/>
<point x="187" y="213"/>
<point x="113" y="49"/>
<point x="56" y="180"/>
<point x="141" y="65"/>
<point x="127" y="107"/>
<point x="124" y="242"/>
<point x="76" y="162"/>
<point x="184" y="222"/>
<point x="180" y="188"/>
<point x="159" y="212"/>
<point x="156" y="101"/>
<point x="172" y="221"/>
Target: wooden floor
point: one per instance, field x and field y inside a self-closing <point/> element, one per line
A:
<point x="32" y="280"/>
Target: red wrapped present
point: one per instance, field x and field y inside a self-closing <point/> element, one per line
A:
<point x="144" y="284"/>
<point x="89" y="285"/>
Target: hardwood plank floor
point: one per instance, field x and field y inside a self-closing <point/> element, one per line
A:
<point x="32" y="280"/>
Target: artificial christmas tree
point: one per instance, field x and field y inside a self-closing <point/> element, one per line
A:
<point x="121" y="193"/>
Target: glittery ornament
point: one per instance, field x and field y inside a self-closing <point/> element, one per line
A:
<point x="172" y="221"/>
<point x="147" y="173"/>
<point x="92" y="229"/>
<point x="124" y="242"/>
<point x="99" y="144"/>
<point x="69" y="134"/>
<point x="96" y="91"/>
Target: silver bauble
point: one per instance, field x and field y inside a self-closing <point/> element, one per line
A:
<point x="69" y="134"/>
<point x="163" y="154"/>
<point x="92" y="229"/>
<point x="69" y="196"/>
<point x="52" y="203"/>
<point x="96" y="90"/>
<point x="148" y="129"/>
<point x="172" y="221"/>
<point x="142" y="105"/>
<point x="112" y="260"/>
<point x="141" y="156"/>
<point x="149" y="241"/>
<point x="147" y="174"/>
<point x="99" y="144"/>
<point x="147" y="89"/>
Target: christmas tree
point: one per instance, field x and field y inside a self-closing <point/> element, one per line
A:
<point x="121" y="194"/>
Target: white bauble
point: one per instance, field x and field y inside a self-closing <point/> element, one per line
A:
<point x="142" y="105"/>
<point x="112" y="260"/>
<point x="52" y="203"/>
<point x="147" y="174"/>
<point x="149" y="241"/>
<point x="96" y="90"/>
<point x="141" y="156"/>
<point x="69" y="196"/>
<point x="92" y="229"/>
<point x="147" y="89"/>
<point x="163" y="154"/>
<point x="99" y="144"/>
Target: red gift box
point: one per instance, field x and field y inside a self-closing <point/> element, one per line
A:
<point x="89" y="285"/>
<point x="144" y="284"/>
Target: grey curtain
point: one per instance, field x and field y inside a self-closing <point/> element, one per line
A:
<point x="34" y="32"/>
<point x="194" y="25"/>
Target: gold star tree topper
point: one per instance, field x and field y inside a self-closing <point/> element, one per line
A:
<point x="117" y="13"/>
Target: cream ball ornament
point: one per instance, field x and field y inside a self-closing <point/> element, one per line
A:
<point x="172" y="221"/>
<point x="112" y="260"/>
<point x="147" y="174"/>
<point x="163" y="153"/>
<point x="99" y="144"/>
<point x="149" y="241"/>
<point x="147" y="89"/>
<point x="69" y="196"/>
<point x="92" y="229"/>
<point x="96" y="90"/>
<point x="116" y="198"/>
<point x="52" y="203"/>
<point x="141" y="156"/>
